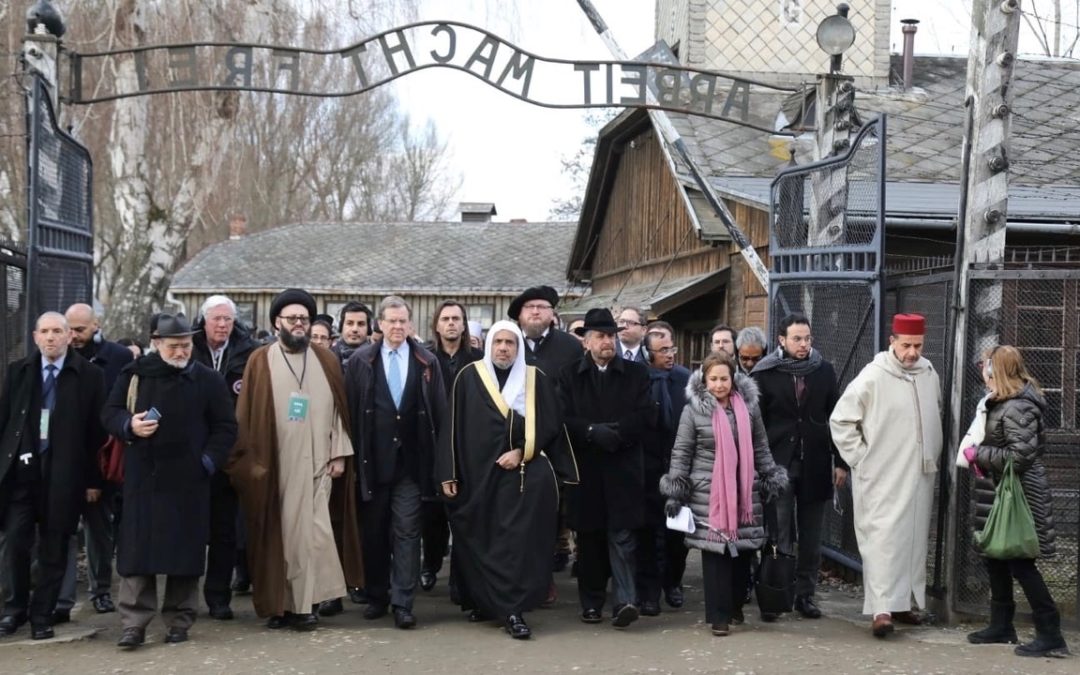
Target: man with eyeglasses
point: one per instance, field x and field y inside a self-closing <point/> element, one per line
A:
<point x="398" y="403"/>
<point x="798" y="393"/>
<point x="661" y="554"/>
<point x="177" y="418"/>
<point x="293" y="469"/>
<point x="632" y="324"/>
<point x="223" y="345"/>
<point x="751" y="345"/>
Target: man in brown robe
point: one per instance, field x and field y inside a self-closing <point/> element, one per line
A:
<point x="292" y="467"/>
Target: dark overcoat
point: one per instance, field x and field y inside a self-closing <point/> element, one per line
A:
<point x="802" y="431"/>
<point x="70" y="466"/>
<point x="612" y="484"/>
<point x="234" y="359"/>
<point x="659" y="438"/>
<point x="166" y="522"/>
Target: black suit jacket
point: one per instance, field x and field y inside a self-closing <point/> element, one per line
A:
<point x="802" y="431"/>
<point x="75" y="435"/>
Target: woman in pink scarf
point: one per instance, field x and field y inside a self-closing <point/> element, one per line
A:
<point x="720" y="445"/>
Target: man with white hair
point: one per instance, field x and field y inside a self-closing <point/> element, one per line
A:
<point x="497" y="463"/>
<point x="223" y="345"/>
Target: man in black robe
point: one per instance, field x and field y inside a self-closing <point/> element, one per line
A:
<point x="498" y="463"/>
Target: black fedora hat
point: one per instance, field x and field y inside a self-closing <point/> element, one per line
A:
<point x="546" y="293"/>
<point x="172" y="326"/>
<point x="598" y="319"/>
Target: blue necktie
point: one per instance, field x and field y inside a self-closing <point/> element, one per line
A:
<point x="394" y="379"/>
<point x="48" y="399"/>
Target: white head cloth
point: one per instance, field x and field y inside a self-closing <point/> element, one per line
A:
<point x="513" y="392"/>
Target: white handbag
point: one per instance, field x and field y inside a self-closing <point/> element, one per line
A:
<point x="683" y="521"/>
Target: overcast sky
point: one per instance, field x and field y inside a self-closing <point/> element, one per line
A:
<point x="508" y="151"/>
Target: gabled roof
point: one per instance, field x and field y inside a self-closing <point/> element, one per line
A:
<point x="414" y="258"/>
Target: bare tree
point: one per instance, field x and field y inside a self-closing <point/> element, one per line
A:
<point x="1052" y="30"/>
<point x="577" y="167"/>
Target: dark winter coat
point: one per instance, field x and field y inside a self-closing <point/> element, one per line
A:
<point x="556" y="351"/>
<point x="689" y="481"/>
<point x="166" y="521"/>
<point x="659" y="439"/>
<point x="233" y="361"/>
<point x="108" y="356"/>
<point x="360" y="390"/>
<point x="612" y="483"/>
<point x="1015" y="428"/>
<point x="802" y="431"/>
<point x="70" y="466"/>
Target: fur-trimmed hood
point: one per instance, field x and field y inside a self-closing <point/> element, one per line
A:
<point x="698" y="396"/>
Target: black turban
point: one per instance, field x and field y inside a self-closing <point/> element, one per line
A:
<point x="292" y="296"/>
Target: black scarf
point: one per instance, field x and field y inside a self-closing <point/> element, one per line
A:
<point x="152" y="365"/>
<point x="659" y="381"/>
<point x="786" y="364"/>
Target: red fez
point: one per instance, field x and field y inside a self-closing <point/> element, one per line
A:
<point x="909" y="324"/>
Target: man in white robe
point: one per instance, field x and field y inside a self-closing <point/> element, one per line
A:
<point x="887" y="427"/>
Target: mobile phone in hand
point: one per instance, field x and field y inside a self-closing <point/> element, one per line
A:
<point x="152" y="415"/>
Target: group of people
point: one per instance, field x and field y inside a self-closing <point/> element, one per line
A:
<point x="253" y="465"/>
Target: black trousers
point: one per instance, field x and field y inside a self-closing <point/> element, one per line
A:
<point x="1002" y="573"/>
<point x="604" y="555"/>
<point x="725" y="580"/>
<point x="661" y="561"/>
<point x="435" y="535"/>
<point x="221" y="552"/>
<point x="20" y="526"/>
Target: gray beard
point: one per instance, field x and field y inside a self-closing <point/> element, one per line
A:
<point x="179" y="364"/>
<point x="291" y="342"/>
<point x="501" y="366"/>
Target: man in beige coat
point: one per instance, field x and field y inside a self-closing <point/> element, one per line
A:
<point x="887" y="427"/>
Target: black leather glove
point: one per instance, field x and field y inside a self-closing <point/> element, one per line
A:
<point x="672" y="508"/>
<point x="605" y="437"/>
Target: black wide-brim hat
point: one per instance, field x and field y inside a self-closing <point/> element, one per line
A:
<point x="598" y="319"/>
<point x="535" y="293"/>
<point x="292" y="296"/>
<point x="172" y="326"/>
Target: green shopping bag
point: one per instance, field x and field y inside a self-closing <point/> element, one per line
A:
<point x="1010" y="530"/>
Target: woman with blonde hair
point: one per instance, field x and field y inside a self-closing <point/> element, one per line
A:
<point x="1015" y="412"/>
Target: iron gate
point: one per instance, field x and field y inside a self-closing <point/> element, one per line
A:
<point x="60" y="251"/>
<point x="826" y="241"/>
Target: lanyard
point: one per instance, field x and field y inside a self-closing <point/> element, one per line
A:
<point x="303" y="372"/>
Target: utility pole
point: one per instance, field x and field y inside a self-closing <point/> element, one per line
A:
<point x="980" y="236"/>
<point x="672" y="137"/>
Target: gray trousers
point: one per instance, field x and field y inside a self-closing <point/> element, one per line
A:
<point x="100" y="543"/>
<point x="391" y="538"/>
<point x="604" y="555"/>
<point x="138" y="601"/>
<point x="801" y="524"/>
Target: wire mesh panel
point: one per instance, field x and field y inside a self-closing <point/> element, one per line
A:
<point x="1039" y="313"/>
<point x="13" y="296"/>
<point x="825" y="241"/>
<point x="61" y="233"/>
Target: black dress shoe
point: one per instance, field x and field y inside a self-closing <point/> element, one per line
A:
<point x="738" y="618"/>
<point x="650" y="608"/>
<point x="403" y="618"/>
<point x="427" y="580"/>
<point x="277" y="622"/>
<point x="103" y="604"/>
<point x="517" y="628"/>
<point x="9" y="624"/>
<point x="625" y="615"/>
<point x="375" y="611"/>
<point x="674" y="596"/>
<point x="176" y="635"/>
<point x="562" y="559"/>
<point x="41" y="631"/>
<point x="304" y="622"/>
<point x="131" y="638"/>
<point x="331" y="607"/>
<point x="241" y="585"/>
<point x="476" y="617"/>
<point x="221" y="612"/>
<point x="805" y="605"/>
<point x="591" y="616"/>
<point x="358" y="596"/>
<point x="769" y="617"/>
<point x="60" y="616"/>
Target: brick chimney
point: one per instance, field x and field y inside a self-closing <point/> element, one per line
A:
<point x="237" y="226"/>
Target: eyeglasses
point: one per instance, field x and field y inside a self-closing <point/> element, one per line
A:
<point x="798" y="339"/>
<point x="668" y="351"/>
<point x="536" y="306"/>
<point x="625" y="323"/>
<point x="219" y="319"/>
<point x="297" y="320"/>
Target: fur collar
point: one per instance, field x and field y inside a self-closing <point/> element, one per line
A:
<point x="700" y="398"/>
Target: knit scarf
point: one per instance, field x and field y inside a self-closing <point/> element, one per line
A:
<point x="731" y="492"/>
<point x="785" y="364"/>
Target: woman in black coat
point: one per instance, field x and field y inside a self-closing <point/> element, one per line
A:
<point x="1014" y="430"/>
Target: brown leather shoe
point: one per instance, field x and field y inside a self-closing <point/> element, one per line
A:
<point x="909" y="618"/>
<point x="882" y="625"/>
